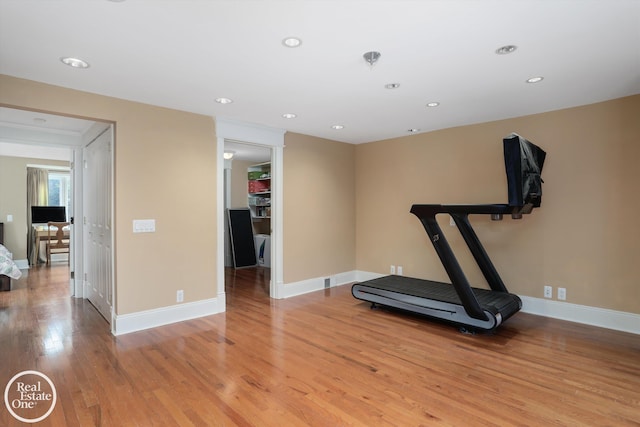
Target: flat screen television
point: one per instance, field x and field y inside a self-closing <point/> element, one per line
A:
<point x="44" y="214"/>
<point x="523" y="162"/>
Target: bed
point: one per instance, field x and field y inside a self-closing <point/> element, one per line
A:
<point x="8" y="269"/>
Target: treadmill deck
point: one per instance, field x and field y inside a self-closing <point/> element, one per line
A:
<point x="437" y="299"/>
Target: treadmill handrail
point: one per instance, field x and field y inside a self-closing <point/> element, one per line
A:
<point x="479" y="254"/>
<point x="459" y="213"/>
<point x="452" y="267"/>
<point x="487" y="209"/>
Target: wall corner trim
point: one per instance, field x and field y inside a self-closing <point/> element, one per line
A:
<point x="133" y="322"/>
<point x="227" y="128"/>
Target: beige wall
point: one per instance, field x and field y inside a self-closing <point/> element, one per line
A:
<point x="319" y="207"/>
<point x="584" y="237"/>
<point x="239" y="182"/>
<point x="347" y="207"/>
<point x="13" y="200"/>
<point x="165" y="162"/>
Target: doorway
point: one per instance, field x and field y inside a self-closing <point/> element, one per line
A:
<point x="229" y="131"/>
<point x="38" y="135"/>
<point x="241" y="159"/>
<point x="247" y="186"/>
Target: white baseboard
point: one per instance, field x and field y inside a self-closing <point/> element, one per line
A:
<point x="595" y="316"/>
<point x="600" y="317"/>
<point x="318" y="283"/>
<point x="127" y="323"/>
<point x="362" y="276"/>
<point x="23" y="264"/>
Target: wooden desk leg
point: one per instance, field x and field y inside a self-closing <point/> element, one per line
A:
<point x="36" y="250"/>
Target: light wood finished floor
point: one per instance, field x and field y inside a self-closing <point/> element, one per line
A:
<point x="322" y="359"/>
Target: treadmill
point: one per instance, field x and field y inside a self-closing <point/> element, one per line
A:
<point x="458" y="303"/>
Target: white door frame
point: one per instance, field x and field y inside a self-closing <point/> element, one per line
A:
<point x="227" y="129"/>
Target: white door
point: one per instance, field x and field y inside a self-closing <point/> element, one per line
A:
<point x="97" y="223"/>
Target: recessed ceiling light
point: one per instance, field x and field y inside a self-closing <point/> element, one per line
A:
<point x="337" y="127"/>
<point x="535" y="79"/>
<point x="292" y="42"/>
<point x="504" y="50"/>
<point x="289" y="116"/>
<point x="224" y="100"/>
<point x="74" y="62"/>
<point x="413" y="130"/>
<point x="433" y="104"/>
<point x="392" y="85"/>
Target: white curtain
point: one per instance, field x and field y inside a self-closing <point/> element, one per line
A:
<point x="37" y="195"/>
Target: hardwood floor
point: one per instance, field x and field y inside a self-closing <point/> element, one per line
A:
<point x="321" y="359"/>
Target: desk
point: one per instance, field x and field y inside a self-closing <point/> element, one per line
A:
<point x="40" y="234"/>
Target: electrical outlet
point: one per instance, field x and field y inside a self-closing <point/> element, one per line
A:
<point x="392" y="270"/>
<point x="399" y="270"/>
<point x="180" y="296"/>
<point x="562" y="294"/>
<point x="548" y="292"/>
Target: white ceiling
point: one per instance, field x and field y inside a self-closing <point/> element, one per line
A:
<point x="28" y="124"/>
<point x="249" y="152"/>
<point x="185" y="54"/>
<point x="33" y="134"/>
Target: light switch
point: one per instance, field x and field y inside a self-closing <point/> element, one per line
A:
<point x="144" y="225"/>
<point x="9" y="218"/>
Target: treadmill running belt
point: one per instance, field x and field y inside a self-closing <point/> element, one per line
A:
<point x="439" y="299"/>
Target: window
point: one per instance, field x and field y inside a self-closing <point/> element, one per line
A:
<point x="60" y="189"/>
